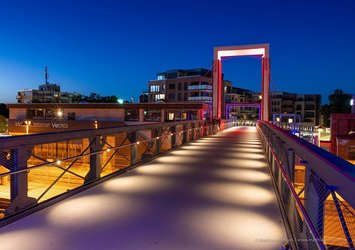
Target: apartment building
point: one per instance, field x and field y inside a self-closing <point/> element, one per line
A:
<point x="306" y="105"/>
<point x="194" y="85"/>
<point x="47" y="93"/>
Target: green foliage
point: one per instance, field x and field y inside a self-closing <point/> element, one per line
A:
<point x="339" y="102"/>
<point x="325" y="111"/>
<point x="4" y="111"/>
<point x="3" y="124"/>
<point x="95" y="98"/>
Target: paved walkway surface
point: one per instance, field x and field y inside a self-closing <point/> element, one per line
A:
<point x="215" y="193"/>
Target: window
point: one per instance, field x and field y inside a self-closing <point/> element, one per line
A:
<point x="171" y="116"/>
<point x="172" y="86"/>
<point x="299" y="107"/>
<point x="179" y="86"/>
<point x="161" y="77"/>
<point x="159" y="97"/>
<point x="171" y="97"/>
<point x="154" y="88"/>
<point x="185" y="96"/>
<point x="179" y="96"/>
<point x="185" y="85"/>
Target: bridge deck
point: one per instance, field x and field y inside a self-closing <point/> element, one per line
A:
<point x="212" y="194"/>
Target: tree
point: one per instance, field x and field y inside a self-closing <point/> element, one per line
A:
<point x="325" y="112"/>
<point x="95" y="98"/>
<point x="339" y="102"/>
<point x="3" y="124"/>
<point x="4" y="111"/>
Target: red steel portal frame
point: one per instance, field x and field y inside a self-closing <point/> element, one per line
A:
<point x="242" y="50"/>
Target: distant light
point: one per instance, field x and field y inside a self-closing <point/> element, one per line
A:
<point x="108" y="150"/>
<point x="290" y="120"/>
<point x="59" y="162"/>
<point x="278" y="119"/>
<point x="352" y="102"/>
<point x="59" y="113"/>
<point x="120" y="101"/>
<point x="260" y="97"/>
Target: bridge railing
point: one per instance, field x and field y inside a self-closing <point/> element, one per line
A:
<point x="48" y="167"/>
<point x="315" y="190"/>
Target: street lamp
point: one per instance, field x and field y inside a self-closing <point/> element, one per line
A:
<point x="28" y="123"/>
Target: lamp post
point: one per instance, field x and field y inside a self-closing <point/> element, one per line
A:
<point x="28" y="123"/>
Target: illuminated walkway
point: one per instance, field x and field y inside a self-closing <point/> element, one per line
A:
<point x="212" y="194"/>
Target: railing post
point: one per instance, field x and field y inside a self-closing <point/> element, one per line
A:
<point x="315" y="194"/>
<point x="133" y="148"/>
<point x="96" y="144"/>
<point x="173" y="136"/>
<point x="19" y="182"/>
<point x="205" y="128"/>
<point x="157" y="142"/>
<point x="291" y="164"/>
<point x="193" y="131"/>
<point x="185" y="137"/>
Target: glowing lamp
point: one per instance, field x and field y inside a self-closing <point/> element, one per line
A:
<point x="60" y="113"/>
<point x="120" y="101"/>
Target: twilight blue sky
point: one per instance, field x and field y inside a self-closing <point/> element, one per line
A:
<point x="115" y="47"/>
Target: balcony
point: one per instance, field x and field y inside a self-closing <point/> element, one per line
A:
<point x="200" y="98"/>
<point x="200" y="87"/>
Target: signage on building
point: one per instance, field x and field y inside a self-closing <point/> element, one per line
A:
<point x="56" y="125"/>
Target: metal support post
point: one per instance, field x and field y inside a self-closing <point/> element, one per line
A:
<point x="96" y="144"/>
<point x="19" y="182"/>
<point x="291" y="164"/>
<point x="173" y="136"/>
<point x="133" y="148"/>
<point x="185" y="137"/>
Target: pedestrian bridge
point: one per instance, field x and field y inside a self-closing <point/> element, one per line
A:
<point x="181" y="185"/>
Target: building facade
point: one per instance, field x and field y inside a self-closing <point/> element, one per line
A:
<point x="307" y="106"/>
<point x="46" y="93"/>
<point x="234" y="95"/>
<point x="56" y="117"/>
<point x="176" y="86"/>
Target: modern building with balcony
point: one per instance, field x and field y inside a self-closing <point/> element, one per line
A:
<point x="194" y="85"/>
<point x="307" y="106"/>
<point x="234" y="95"/>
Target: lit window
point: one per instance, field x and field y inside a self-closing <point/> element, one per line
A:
<point x="159" y="97"/>
<point x="171" y="116"/>
<point x="154" y="88"/>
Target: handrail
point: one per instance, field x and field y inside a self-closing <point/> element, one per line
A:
<point x="331" y="168"/>
<point x="42" y="138"/>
